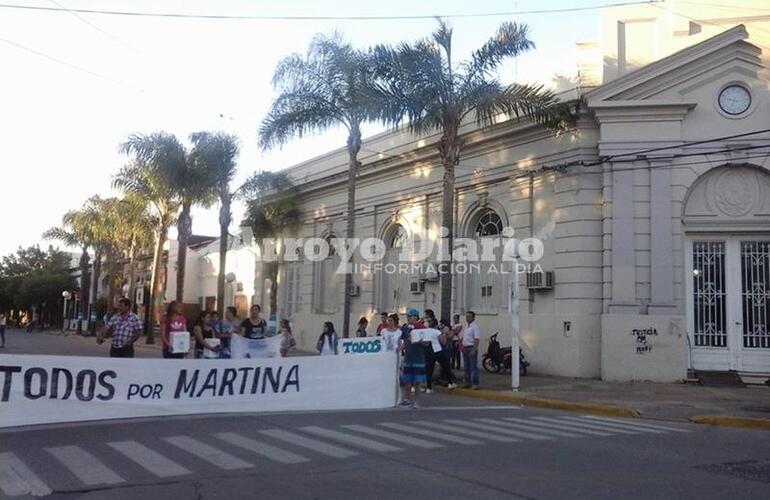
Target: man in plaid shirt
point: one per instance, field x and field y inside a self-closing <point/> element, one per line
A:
<point x="124" y="328"/>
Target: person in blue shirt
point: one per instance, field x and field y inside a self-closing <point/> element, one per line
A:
<point x="413" y="367"/>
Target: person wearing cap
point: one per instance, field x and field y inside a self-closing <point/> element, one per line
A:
<point x="413" y="367"/>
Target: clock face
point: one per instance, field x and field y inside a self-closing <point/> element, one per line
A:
<point x="734" y="99"/>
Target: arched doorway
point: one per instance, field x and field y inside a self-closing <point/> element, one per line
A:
<point x="726" y="217"/>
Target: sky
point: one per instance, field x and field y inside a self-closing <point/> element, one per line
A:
<point x="73" y="87"/>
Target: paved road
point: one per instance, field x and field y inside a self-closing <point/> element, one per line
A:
<point x="53" y="342"/>
<point x="451" y="448"/>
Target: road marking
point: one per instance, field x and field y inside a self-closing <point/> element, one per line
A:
<point x="611" y="425"/>
<point x="522" y="432"/>
<point x="269" y="451"/>
<point x="208" y="453"/>
<point x="445" y="436"/>
<point x="311" y="444"/>
<point x="587" y="425"/>
<point x="601" y="426"/>
<point x="635" y="424"/>
<point x="561" y="428"/>
<point x="150" y="460"/>
<point x="84" y="466"/>
<point x="524" y="424"/>
<point x="420" y="443"/>
<point x="17" y="479"/>
<point x="471" y="429"/>
<point x="460" y="408"/>
<point x="369" y="444"/>
<point x="544" y="421"/>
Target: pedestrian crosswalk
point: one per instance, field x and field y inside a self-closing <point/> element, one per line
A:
<point x="105" y="464"/>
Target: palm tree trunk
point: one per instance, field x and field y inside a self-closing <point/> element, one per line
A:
<point x="224" y="226"/>
<point x="84" y="286"/>
<point x="155" y="286"/>
<point x="449" y="149"/>
<point x="184" y="228"/>
<point x="132" y="271"/>
<point x="354" y="146"/>
<point x="94" y="295"/>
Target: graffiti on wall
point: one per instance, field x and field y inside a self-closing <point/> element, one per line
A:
<point x="644" y="339"/>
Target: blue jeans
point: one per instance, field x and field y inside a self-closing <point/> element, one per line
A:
<point x="471" y="361"/>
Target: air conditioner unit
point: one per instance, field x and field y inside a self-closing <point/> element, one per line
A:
<point x="540" y="280"/>
<point x="430" y="276"/>
<point x="416" y="287"/>
<point x="355" y="291"/>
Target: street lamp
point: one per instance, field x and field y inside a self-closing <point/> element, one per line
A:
<point x="66" y="295"/>
<point x="230" y="279"/>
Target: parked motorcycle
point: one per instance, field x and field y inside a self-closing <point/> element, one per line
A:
<point x="499" y="359"/>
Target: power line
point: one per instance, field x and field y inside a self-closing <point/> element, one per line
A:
<point x="93" y="26"/>
<point x="62" y="62"/>
<point x="178" y="15"/>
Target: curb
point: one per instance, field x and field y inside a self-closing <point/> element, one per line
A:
<point x="557" y="404"/>
<point x="741" y="422"/>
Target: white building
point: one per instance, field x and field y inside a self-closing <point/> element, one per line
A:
<point x="657" y="229"/>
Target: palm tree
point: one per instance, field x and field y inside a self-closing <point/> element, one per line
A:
<point x="332" y="85"/>
<point x="189" y="184"/>
<point x="150" y="180"/>
<point x="431" y="92"/>
<point x="273" y="211"/>
<point x="135" y="236"/>
<point x="215" y="154"/>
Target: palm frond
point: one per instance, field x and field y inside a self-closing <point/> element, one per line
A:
<point x="510" y="40"/>
<point x="298" y="113"/>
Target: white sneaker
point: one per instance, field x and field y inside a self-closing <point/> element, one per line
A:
<point x="428" y="391"/>
<point x="423" y="389"/>
<point x="451" y="386"/>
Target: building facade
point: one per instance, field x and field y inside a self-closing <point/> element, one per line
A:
<point x="653" y="210"/>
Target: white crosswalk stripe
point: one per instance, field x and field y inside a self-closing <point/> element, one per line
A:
<point x="266" y="450"/>
<point x="399" y="438"/>
<point x="442" y="436"/>
<point x="17" y="479"/>
<point x="311" y="444"/>
<point x="561" y="425"/>
<point x="612" y="425"/>
<point x="588" y="425"/>
<point x="473" y="429"/>
<point x="360" y="442"/>
<point x="86" y="467"/>
<point x="636" y="423"/>
<point x="208" y="453"/>
<point x="522" y="432"/>
<point x="150" y="460"/>
<point x="535" y="425"/>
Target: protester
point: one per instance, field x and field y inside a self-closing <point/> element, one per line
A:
<point x="413" y="366"/>
<point x="383" y="322"/>
<point x="216" y="324"/>
<point x="173" y="322"/>
<point x="470" y="342"/>
<point x="362" y="324"/>
<point x="2" y="329"/>
<point x="429" y="319"/>
<point x="203" y="334"/>
<point x="328" y="342"/>
<point x="445" y="356"/>
<point x="391" y="334"/>
<point x="456" y="337"/>
<point x="254" y="327"/>
<point x="124" y="328"/>
<point x="228" y="327"/>
<point x="287" y="338"/>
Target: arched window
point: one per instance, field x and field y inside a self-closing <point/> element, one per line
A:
<point x="485" y="284"/>
<point x="393" y="280"/>
<point x="326" y="289"/>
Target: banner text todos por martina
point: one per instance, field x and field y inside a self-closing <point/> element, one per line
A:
<point x="48" y="389"/>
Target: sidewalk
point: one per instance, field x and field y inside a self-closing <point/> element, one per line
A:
<point x="675" y="401"/>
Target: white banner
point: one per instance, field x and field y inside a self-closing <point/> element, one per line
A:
<point x="268" y="347"/>
<point x="47" y="389"/>
<point x="361" y="345"/>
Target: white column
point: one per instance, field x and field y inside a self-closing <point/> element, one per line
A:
<point x="623" y="244"/>
<point x="661" y="240"/>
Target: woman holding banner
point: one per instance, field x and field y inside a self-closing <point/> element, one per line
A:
<point x="287" y="339"/>
<point x="413" y="367"/>
<point x="328" y="341"/>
